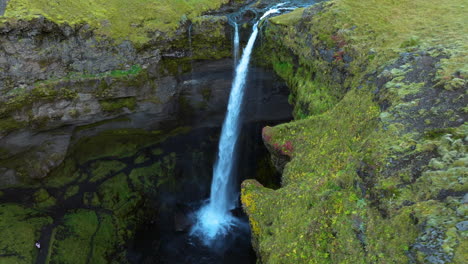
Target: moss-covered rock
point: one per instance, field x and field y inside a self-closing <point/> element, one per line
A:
<point x="377" y="168"/>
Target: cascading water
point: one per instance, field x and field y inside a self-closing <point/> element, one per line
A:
<point x="215" y="218"/>
<point x="236" y="44"/>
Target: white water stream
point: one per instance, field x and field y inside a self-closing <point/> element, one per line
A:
<point x="215" y="218"/>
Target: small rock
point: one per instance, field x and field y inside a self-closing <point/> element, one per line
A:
<point x="462" y="226"/>
<point x="465" y="199"/>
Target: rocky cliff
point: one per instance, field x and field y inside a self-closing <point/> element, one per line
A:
<point x="375" y="165"/>
<point x="57" y="74"/>
<point x="89" y="94"/>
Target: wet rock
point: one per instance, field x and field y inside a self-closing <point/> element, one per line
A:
<point x="3" y="4"/>
<point x="465" y="199"/>
<point x="182" y="221"/>
<point x="430" y="243"/>
<point x="8" y="177"/>
<point x="462" y="226"/>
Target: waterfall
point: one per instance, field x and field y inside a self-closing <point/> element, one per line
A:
<point x="215" y="218"/>
<point x="236" y="44"/>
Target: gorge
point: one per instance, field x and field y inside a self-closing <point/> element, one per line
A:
<point x="352" y="133"/>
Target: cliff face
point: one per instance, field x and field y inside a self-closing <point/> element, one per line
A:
<point x="73" y="176"/>
<point x="376" y="166"/>
<point x="56" y="76"/>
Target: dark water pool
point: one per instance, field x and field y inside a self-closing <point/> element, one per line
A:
<point x="165" y="238"/>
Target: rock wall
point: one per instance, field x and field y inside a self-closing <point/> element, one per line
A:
<point x="56" y="77"/>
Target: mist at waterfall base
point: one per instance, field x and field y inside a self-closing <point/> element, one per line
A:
<point x="215" y="219"/>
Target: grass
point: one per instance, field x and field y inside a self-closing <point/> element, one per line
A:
<point x="120" y="19"/>
<point x="399" y="23"/>
<point x="387" y="27"/>
<point x="112" y="105"/>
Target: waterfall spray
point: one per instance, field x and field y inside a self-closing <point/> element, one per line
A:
<point x="215" y="218"/>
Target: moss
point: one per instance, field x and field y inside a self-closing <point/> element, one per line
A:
<point x="105" y="240"/>
<point x="43" y="199"/>
<point x="134" y="22"/>
<point x="21" y="98"/>
<point x="160" y="173"/>
<point x="73" y="239"/>
<point x="91" y="199"/>
<point x="104" y="122"/>
<point x="10" y="124"/>
<point x="141" y="159"/>
<point x="112" y="105"/>
<point x="71" y="191"/>
<point x="20" y="228"/>
<point x="209" y="38"/>
<point x="157" y="151"/>
<point x="291" y="18"/>
<point x="64" y="174"/>
<point x="103" y="169"/>
<point x="119" y="143"/>
<point x="116" y="195"/>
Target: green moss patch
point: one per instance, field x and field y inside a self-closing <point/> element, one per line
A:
<point x="117" y="18"/>
<point x="20" y="228"/>
<point x="112" y="105"/>
<point x="84" y="236"/>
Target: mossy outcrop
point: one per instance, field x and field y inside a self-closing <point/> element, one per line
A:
<point x="377" y="170"/>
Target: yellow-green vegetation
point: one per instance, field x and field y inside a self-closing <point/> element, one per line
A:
<point x="119" y="19"/>
<point x="407" y="24"/>
<point x="372" y="33"/>
<point x="9" y="124"/>
<point x="21" y="98"/>
<point x="20" y="228"/>
<point x="112" y="105"/>
<point x="378" y="164"/>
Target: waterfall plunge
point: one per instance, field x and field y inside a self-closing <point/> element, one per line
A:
<point x="215" y="218"/>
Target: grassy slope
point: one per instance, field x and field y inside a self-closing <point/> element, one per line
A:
<point x="119" y="19"/>
<point x="321" y="213"/>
